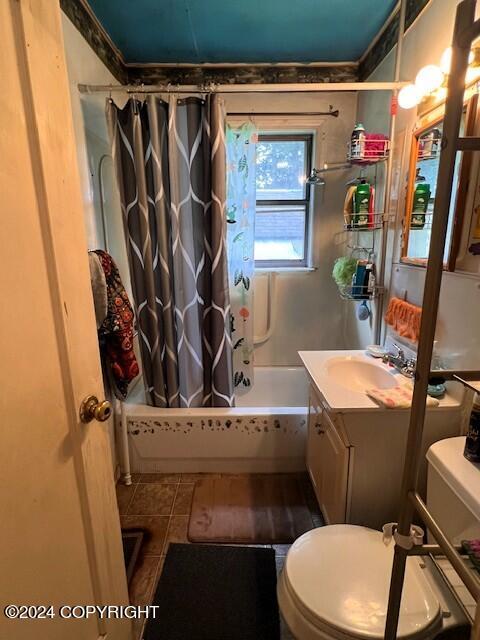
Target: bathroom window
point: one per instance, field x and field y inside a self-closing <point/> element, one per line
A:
<point x="283" y="200"/>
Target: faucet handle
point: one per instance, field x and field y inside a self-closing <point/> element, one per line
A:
<point x="400" y="351"/>
<point x="410" y="367"/>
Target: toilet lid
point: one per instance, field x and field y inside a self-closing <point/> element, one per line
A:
<point x="339" y="576"/>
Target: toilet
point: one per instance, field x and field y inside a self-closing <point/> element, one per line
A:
<point x="335" y="581"/>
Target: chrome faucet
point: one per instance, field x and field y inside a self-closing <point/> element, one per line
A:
<point x="406" y="366"/>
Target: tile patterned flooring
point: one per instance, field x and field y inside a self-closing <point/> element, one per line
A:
<point x="160" y="503"/>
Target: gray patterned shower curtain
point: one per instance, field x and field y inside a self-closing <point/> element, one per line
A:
<point x="170" y="165"/>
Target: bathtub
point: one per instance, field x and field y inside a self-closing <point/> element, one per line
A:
<point x="265" y="432"/>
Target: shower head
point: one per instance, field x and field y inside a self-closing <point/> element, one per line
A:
<point x="315" y="179"/>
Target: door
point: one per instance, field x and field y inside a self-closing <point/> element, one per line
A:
<point x="327" y="462"/>
<point x="59" y="528"/>
<point x="334" y="469"/>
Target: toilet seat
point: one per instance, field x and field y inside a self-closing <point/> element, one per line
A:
<point x="335" y="584"/>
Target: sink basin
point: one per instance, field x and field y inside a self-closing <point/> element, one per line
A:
<point x="356" y="374"/>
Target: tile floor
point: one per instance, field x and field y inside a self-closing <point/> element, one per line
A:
<point x="161" y="504"/>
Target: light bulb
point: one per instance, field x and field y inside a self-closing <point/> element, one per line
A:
<point x="441" y="94"/>
<point x="473" y="74"/>
<point x="429" y="79"/>
<point x="446" y="60"/>
<point x="409" y="96"/>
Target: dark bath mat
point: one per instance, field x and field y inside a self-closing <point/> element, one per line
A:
<point x="132" y="541"/>
<point x="254" y="509"/>
<point x="209" y="592"/>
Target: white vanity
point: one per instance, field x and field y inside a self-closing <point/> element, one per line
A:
<point x="355" y="449"/>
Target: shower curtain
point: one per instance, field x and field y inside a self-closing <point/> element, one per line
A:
<point x="241" y="201"/>
<point x="170" y="166"/>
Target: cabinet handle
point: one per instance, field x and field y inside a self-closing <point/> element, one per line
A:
<point x="319" y="429"/>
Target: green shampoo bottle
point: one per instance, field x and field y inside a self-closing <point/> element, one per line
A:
<point x="361" y="204"/>
<point x="421" y="198"/>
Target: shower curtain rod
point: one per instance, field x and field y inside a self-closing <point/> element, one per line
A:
<point x="312" y="87"/>
<point x="334" y="113"/>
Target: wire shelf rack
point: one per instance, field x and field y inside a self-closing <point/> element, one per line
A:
<point x="430" y="146"/>
<point x="421" y="221"/>
<point x="359" y="292"/>
<point x="368" y="150"/>
<point x="362" y="221"/>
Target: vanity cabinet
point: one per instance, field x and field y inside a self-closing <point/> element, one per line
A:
<point x="328" y="462"/>
<point x="355" y="458"/>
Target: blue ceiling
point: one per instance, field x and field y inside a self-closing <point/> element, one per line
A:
<point x="196" y="31"/>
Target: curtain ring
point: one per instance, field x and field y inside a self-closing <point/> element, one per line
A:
<point x="135" y="109"/>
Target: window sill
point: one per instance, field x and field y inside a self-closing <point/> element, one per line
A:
<point x="284" y="269"/>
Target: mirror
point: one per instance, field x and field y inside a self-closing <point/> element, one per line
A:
<point x="422" y="187"/>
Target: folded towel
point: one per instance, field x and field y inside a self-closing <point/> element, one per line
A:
<point x="116" y="332"/>
<point x="398" y="397"/>
<point x="404" y="318"/>
<point x="375" y="145"/>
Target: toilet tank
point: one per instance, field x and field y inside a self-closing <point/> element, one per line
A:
<point x="453" y="490"/>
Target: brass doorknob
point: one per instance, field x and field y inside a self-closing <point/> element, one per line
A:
<point x="92" y="409"/>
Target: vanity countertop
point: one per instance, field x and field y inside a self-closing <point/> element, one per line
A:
<point x="346" y="395"/>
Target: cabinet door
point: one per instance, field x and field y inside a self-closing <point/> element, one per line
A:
<point x="334" y="471"/>
<point x="314" y="444"/>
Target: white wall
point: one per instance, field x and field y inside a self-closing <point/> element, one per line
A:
<point x="91" y="135"/>
<point x="84" y="66"/>
<point x="457" y="329"/>
<point x="308" y="312"/>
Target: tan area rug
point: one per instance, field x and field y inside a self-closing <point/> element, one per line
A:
<point x="257" y="509"/>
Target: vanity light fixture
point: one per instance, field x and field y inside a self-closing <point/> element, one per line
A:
<point x="409" y="96"/>
<point x="431" y="80"/>
<point x="446" y="60"/>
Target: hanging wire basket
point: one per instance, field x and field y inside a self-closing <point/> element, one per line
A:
<point x="368" y="150"/>
<point x="425" y="222"/>
<point x="430" y="146"/>
<point x="362" y="222"/>
<point x="359" y="292"/>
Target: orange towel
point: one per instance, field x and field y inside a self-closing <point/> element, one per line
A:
<point x="404" y="318"/>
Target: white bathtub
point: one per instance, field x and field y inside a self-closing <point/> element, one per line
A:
<point x="265" y="432"/>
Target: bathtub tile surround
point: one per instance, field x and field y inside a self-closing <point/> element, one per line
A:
<point x="175" y="491"/>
